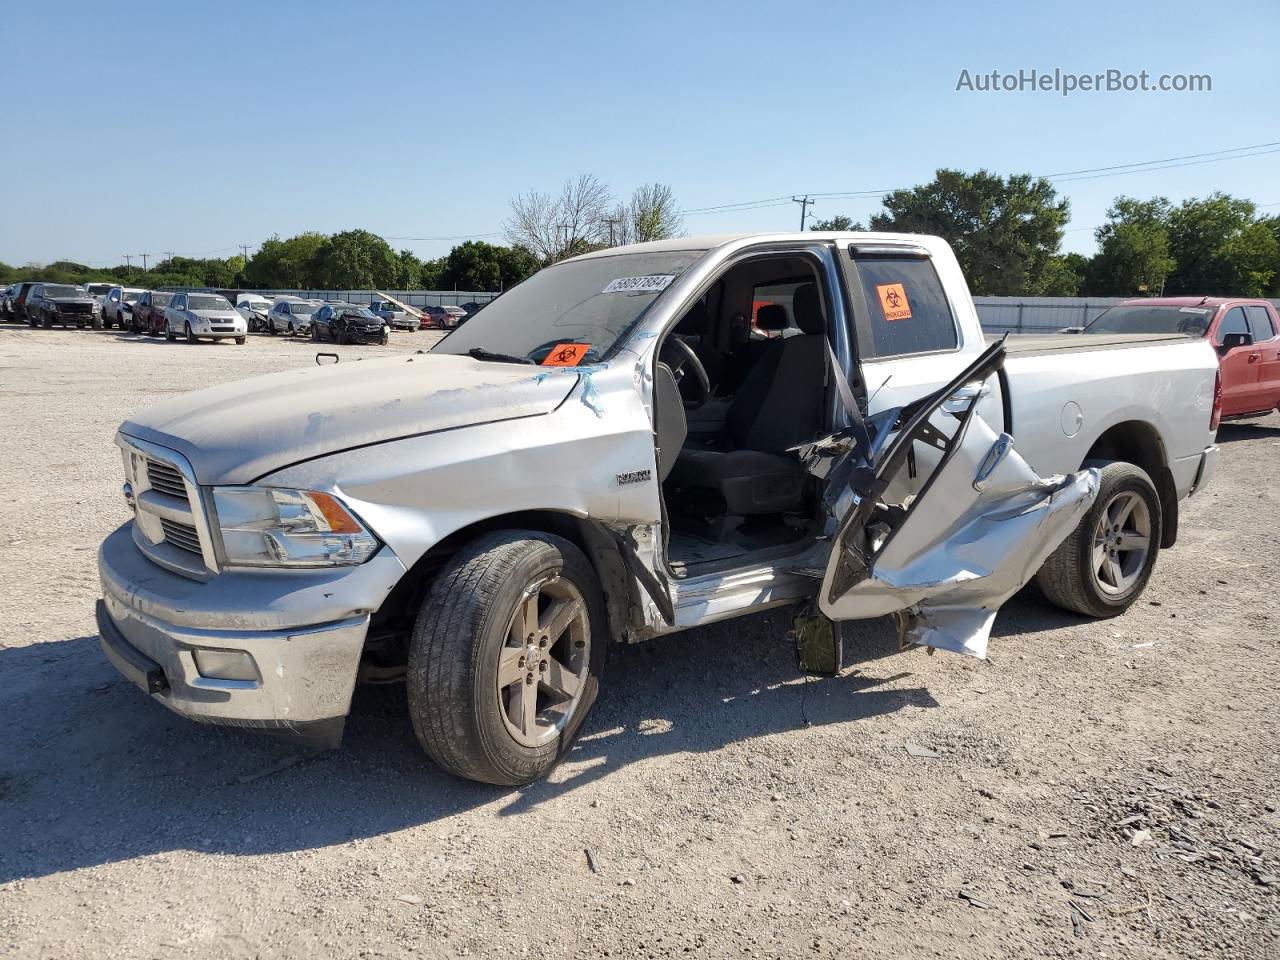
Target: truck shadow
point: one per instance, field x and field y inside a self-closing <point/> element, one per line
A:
<point x="1234" y="432"/>
<point x="91" y="772"/>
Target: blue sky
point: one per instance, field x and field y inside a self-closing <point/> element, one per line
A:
<point x="195" y="127"/>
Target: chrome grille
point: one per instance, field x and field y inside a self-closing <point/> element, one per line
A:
<point x="165" y="479"/>
<point x="181" y="535"/>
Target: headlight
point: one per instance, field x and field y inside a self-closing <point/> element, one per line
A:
<point x="272" y="527"/>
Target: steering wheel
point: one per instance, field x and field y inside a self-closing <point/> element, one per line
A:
<point x="686" y="358"/>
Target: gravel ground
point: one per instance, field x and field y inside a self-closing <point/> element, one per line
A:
<point x="1103" y="789"/>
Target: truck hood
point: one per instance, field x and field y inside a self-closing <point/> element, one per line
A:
<point x="241" y="431"/>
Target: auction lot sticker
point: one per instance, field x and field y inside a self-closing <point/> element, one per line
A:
<point x="566" y="355"/>
<point x="650" y="284"/>
<point x="893" y="301"/>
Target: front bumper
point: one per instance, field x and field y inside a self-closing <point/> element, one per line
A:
<point x="303" y="634"/>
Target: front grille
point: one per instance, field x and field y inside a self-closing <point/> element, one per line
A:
<point x="181" y="535"/>
<point x="165" y="479"/>
<point x="75" y="308"/>
<point x="224" y="329"/>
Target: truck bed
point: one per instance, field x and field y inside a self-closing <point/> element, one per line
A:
<point x="1031" y="344"/>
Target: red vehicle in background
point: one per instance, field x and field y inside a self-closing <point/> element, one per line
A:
<point x="148" y="312"/>
<point x="1245" y="332"/>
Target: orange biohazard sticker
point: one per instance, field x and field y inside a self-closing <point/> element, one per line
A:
<point x="893" y="301"/>
<point x="566" y="355"/>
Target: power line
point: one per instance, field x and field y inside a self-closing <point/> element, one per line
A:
<point x="805" y="204"/>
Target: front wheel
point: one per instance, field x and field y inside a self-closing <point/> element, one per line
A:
<point x="506" y="656"/>
<point x="240" y="341"/>
<point x="191" y="337"/>
<point x="1102" y="568"/>
<point x="169" y="335"/>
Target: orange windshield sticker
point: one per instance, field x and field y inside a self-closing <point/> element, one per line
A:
<point x="893" y="301"/>
<point x="566" y="355"/>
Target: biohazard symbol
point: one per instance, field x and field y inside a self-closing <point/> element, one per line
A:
<point x="893" y="301"/>
<point x="566" y="355"/>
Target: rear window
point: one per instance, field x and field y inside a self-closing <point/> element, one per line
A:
<point x="904" y="309"/>
<point x="1164" y="318"/>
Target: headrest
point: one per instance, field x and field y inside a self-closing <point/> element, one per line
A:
<point x="771" y="316"/>
<point x="807" y="309"/>
<point x="694" y="323"/>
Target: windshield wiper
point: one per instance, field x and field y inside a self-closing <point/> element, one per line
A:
<point x="480" y="353"/>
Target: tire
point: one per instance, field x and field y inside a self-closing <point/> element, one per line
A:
<point x="271" y="328"/>
<point x="291" y="330"/>
<point x="315" y="334"/>
<point x="191" y="337"/>
<point x="169" y="335"/>
<point x="240" y="341"/>
<point x="461" y="715"/>
<point x="1070" y="578"/>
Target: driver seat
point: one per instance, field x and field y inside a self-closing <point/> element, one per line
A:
<point x="778" y="406"/>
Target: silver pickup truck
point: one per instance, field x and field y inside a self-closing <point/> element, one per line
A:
<point x="631" y="443"/>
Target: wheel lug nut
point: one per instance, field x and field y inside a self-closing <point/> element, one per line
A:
<point x="528" y="678"/>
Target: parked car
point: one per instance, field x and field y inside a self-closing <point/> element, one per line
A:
<point x="196" y="315"/>
<point x="563" y="472"/>
<point x="455" y="314"/>
<point x="61" y="303"/>
<point x="348" y="323"/>
<point x="290" y="315"/>
<point x="15" y="304"/>
<point x="254" y="308"/>
<point x="117" y="306"/>
<point x="1244" y="332"/>
<point x="397" y="317"/>
<point x="148" y="312"/>
<point x="433" y="318"/>
<point x="98" y="291"/>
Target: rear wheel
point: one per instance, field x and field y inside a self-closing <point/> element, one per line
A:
<point x="1102" y="568"/>
<point x="506" y="656"/>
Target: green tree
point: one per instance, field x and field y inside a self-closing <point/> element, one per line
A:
<point x="1063" y="276"/>
<point x="476" y="265"/>
<point x="1133" y="249"/>
<point x="1003" y="230"/>
<point x="838" y="222"/>
<point x="1221" y="247"/>
<point x="283" y="264"/>
<point x="353" y="259"/>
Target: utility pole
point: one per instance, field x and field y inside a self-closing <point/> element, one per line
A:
<point x="805" y="204"/>
<point x="144" y="261"/>
<point x="564" y="237"/>
<point x="168" y="254"/>
<point x="611" y="221"/>
<point x="127" y="261"/>
<point x="244" y="247"/>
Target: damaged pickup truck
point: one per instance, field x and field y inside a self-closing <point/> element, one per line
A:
<point x="628" y="444"/>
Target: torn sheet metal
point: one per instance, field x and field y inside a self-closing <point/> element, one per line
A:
<point x="977" y="530"/>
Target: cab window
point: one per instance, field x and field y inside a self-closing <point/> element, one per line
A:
<point x="1260" y="323"/>
<point x="1233" y="322"/>
<point x="899" y="306"/>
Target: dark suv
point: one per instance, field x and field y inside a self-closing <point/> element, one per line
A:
<point x="15" y="303"/>
<point x="60" y="303"/>
<point x="348" y="323"/>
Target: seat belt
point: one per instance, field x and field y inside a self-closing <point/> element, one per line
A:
<point x="847" y="398"/>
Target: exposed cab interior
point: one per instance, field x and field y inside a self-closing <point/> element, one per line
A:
<point x="740" y="385"/>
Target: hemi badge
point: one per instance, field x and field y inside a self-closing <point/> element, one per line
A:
<point x="635" y="476"/>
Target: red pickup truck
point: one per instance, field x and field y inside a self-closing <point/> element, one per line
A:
<point x="1246" y="334"/>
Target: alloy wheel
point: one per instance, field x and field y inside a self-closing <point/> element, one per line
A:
<point x="1121" y="543"/>
<point x="542" y="668"/>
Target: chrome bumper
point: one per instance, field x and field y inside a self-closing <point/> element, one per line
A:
<point x="303" y="631"/>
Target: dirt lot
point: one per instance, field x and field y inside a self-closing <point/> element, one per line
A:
<point x="1102" y="789"/>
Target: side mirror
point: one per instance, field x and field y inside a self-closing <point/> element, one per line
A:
<point x="1232" y="340"/>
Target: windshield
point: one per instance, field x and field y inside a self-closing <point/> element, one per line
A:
<point x="355" y="312"/>
<point x="302" y="309"/>
<point x="97" y="289"/>
<point x="583" y="306"/>
<point x="161" y="299"/>
<point x="61" y="291"/>
<point x="1192" y="321"/>
<point x="208" y="303"/>
<point x="263" y="305"/>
